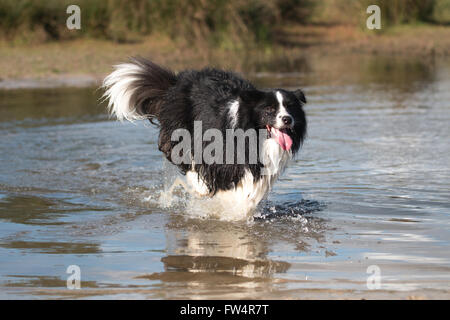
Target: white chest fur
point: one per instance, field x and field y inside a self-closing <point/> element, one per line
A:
<point x="245" y="197"/>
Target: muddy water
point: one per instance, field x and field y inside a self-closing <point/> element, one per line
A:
<point x="370" y="192"/>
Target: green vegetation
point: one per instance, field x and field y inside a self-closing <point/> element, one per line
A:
<point x="393" y="12"/>
<point x="218" y="23"/>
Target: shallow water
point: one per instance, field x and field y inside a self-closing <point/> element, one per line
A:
<point x="371" y="187"/>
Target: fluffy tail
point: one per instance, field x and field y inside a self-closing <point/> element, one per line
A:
<point x="136" y="89"/>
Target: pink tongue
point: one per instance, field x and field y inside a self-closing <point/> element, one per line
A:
<point x="283" y="139"/>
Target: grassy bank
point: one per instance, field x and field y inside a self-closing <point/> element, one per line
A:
<point x="235" y="34"/>
<point x="95" y="57"/>
<point x="214" y="23"/>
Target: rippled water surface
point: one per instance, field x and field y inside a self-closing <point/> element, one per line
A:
<point x="371" y="187"/>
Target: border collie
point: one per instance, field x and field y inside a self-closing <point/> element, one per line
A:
<point x="219" y="100"/>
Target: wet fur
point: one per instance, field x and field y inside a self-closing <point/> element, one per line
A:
<point x="220" y="99"/>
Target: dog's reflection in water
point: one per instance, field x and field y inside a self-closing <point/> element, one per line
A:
<point x="216" y="252"/>
<point x="221" y="250"/>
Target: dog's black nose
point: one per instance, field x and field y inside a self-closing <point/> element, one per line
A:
<point x="287" y="120"/>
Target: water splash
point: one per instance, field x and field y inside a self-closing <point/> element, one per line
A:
<point x="293" y="210"/>
<point x="178" y="200"/>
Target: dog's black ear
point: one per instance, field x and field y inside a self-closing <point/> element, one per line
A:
<point x="251" y="96"/>
<point x="300" y="95"/>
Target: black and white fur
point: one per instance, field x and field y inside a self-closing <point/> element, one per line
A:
<point x="140" y="89"/>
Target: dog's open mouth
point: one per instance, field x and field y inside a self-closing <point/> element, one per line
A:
<point x="281" y="136"/>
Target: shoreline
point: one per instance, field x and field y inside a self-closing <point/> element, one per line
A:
<point x="84" y="62"/>
<point x="68" y="80"/>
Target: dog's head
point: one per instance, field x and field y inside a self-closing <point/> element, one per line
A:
<point x="281" y="113"/>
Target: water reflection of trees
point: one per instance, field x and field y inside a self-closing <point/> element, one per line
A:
<point x="406" y="75"/>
